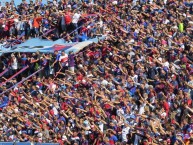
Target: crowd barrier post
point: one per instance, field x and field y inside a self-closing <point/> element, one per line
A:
<point x="21" y="81"/>
<point x="16" y="74"/>
<point x="2" y="73"/>
<point x="46" y="33"/>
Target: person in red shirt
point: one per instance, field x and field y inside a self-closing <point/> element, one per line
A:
<point x="68" y="21"/>
<point x="166" y="106"/>
<point x="36" y="24"/>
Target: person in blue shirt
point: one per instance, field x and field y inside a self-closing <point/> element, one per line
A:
<point x="23" y="60"/>
<point x="4" y="103"/>
<point x="113" y="137"/>
<point x="56" y="64"/>
<point x="45" y="23"/>
<point x="82" y="37"/>
<point x="45" y="64"/>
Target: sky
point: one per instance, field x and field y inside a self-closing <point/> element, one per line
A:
<point x="19" y="1"/>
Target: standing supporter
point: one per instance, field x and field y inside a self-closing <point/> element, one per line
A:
<point x="36" y="24"/>
<point x="132" y="87"/>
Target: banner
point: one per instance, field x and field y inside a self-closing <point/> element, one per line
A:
<point x="47" y="46"/>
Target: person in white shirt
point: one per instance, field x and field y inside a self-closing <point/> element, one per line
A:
<point x="104" y="82"/>
<point x="119" y="111"/>
<point x="14" y="64"/>
<point x="87" y="127"/>
<point x="142" y="108"/>
<point x="55" y="111"/>
<point x="165" y="2"/>
<point x="63" y="59"/>
<point x="55" y="3"/>
<point x="91" y="2"/>
<point x="125" y="131"/>
<point x="76" y="18"/>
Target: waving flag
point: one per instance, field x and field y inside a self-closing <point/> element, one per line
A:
<point x="47" y="46"/>
<point x="14" y="42"/>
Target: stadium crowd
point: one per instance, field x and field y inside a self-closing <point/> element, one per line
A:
<point x="135" y="87"/>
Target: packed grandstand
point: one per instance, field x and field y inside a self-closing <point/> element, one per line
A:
<point x="97" y="72"/>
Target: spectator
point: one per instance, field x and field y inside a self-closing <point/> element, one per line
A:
<point x="133" y="87"/>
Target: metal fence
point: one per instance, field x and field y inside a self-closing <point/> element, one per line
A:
<point x="26" y="143"/>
